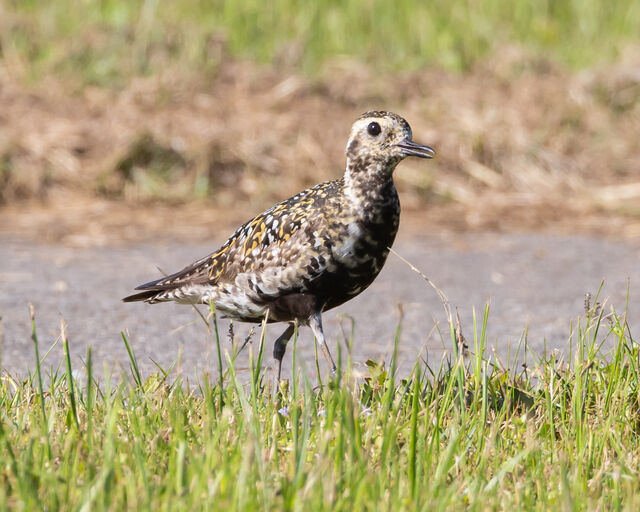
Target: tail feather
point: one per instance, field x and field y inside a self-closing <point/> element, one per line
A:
<point x="160" y="290"/>
<point x="149" y="294"/>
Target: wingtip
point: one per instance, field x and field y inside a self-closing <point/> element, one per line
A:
<point x="148" y="285"/>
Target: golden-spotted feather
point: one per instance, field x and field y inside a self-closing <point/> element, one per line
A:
<point x="260" y="235"/>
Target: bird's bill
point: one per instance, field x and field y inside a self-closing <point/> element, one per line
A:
<point x="411" y="148"/>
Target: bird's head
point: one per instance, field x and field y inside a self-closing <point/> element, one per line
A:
<point x="382" y="139"/>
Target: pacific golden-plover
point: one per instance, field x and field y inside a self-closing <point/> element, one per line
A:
<point x="311" y="252"/>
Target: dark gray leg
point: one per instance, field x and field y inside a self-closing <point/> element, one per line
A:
<point x="315" y="322"/>
<point x="280" y="346"/>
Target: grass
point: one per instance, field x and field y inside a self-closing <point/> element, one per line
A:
<point x="109" y="41"/>
<point x="557" y="434"/>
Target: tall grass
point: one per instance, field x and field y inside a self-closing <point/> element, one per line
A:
<point x="560" y="433"/>
<point x="110" y="40"/>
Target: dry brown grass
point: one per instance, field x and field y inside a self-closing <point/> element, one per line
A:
<point x="519" y="141"/>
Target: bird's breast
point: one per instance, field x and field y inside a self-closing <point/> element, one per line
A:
<point x="358" y="253"/>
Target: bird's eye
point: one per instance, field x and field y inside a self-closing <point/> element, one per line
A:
<point x="374" y="129"/>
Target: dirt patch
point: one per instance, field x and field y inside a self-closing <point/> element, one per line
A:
<point x="520" y="143"/>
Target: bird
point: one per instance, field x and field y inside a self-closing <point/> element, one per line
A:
<point x="311" y="252"/>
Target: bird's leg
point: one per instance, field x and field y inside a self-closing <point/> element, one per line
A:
<point x="280" y="346"/>
<point x="315" y="322"/>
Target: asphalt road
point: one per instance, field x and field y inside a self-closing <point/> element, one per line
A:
<point x="533" y="282"/>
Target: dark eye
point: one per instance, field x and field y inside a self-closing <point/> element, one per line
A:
<point x="374" y="129"/>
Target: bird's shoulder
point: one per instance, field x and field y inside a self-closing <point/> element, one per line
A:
<point x="281" y="221"/>
<point x="275" y="236"/>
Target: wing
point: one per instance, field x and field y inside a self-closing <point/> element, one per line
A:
<point x="270" y="252"/>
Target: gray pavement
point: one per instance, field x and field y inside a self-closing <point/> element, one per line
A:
<point x="533" y="281"/>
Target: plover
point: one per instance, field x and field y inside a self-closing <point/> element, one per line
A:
<point x="311" y="252"/>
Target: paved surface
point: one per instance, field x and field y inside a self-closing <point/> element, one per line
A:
<point x="534" y="281"/>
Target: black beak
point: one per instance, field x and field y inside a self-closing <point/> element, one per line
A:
<point x="410" y="148"/>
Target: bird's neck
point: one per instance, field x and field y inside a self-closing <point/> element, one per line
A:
<point x="370" y="187"/>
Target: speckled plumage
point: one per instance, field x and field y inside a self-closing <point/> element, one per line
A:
<point x="311" y="252"/>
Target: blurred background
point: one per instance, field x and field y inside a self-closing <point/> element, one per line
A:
<point x="114" y="112"/>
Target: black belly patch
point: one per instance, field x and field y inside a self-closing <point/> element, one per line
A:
<point x="293" y="306"/>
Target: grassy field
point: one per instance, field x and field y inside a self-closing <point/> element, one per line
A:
<point x="559" y="434"/>
<point x="108" y="41"/>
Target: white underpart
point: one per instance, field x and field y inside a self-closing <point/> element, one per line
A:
<point x="344" y="251"/>
<point x="230" y="299"/>
<point x="353" y="195"/>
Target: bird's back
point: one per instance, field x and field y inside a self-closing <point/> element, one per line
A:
<point x="313" y="250"/>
